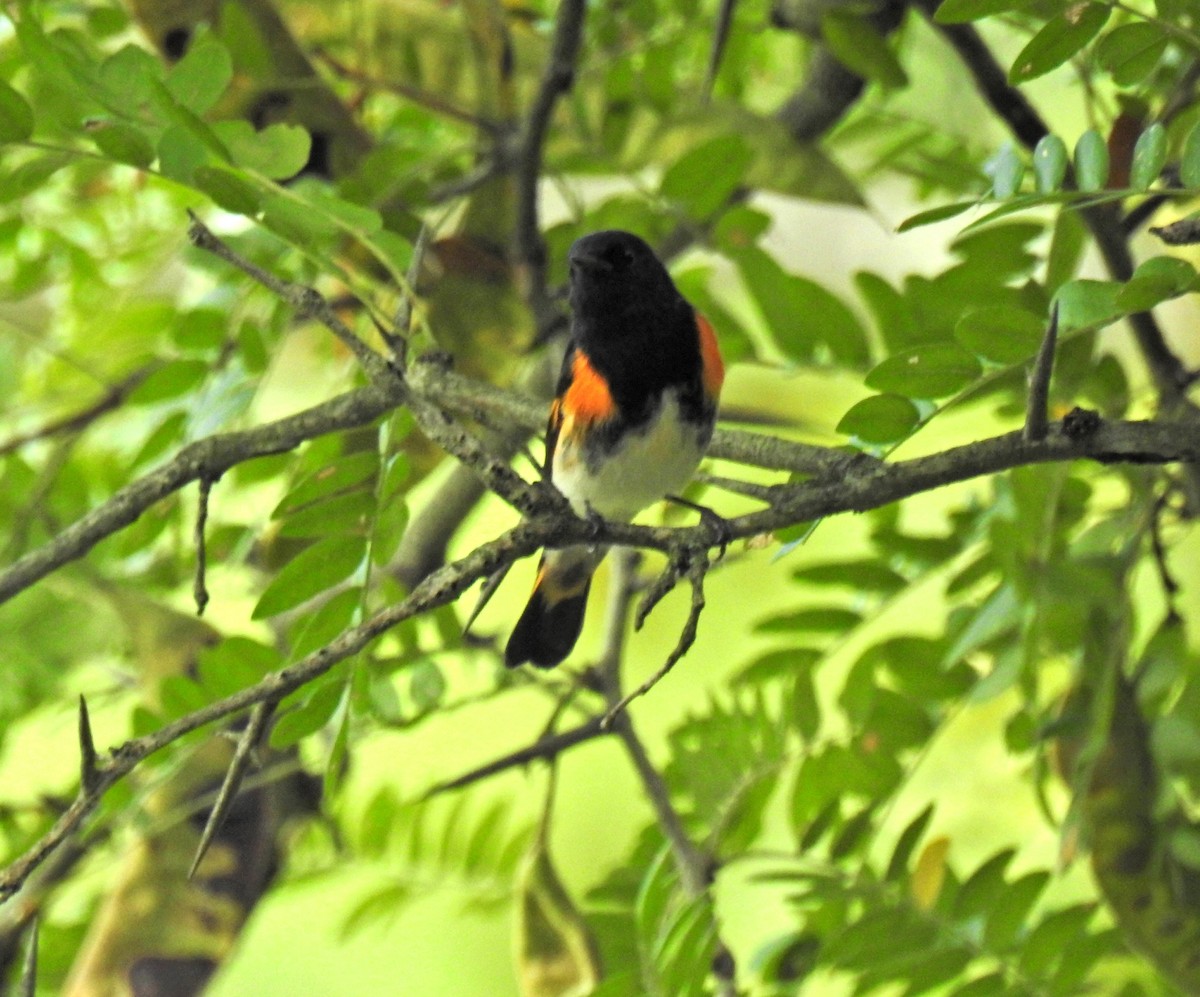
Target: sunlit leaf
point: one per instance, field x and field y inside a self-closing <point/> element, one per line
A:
<point x="1149" y="156"/>
<point x="310" y="573"/>
<point x="1001" y="334"/>
<point x="1049" y="163"/>
<point x="880" y="419"/>
<point x="1091" y="161"/>
<point x="929" y="872"/>
<point x="702" y="179"/>
<point x="932" y="370"/>
<point x="1059" y="39"/>
<point x="1006" y="168"/>
<point x="1131" y="51"/>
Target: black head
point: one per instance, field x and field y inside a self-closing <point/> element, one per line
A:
<point x="615" y="272"/>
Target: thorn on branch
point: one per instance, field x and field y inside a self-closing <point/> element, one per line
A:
<point x="29" y="972"/>
<point x="1037" y="416"/>
<point x="199" y="587"/>
<point x="89" y="768"/>
<point x="243" y="755"/>
<point x="717" y="50"/>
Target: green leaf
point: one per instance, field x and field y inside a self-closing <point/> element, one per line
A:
<point x="1000" y="333"/>
<point x="1007" y="169"/>
<point x="338" y="614"/>
<point x="297" y="222"/>
<point x="880" y="419"/>
<point x="31" y="175"/>
<point x="862" y="576"/>
<point x="235" y="664"/>
<point x="824" y="619"/>
<point x="1156" y="280"/>
<point x="1149" y="155"/>
<point x="1066" y="250"/>
<point x="227" y="189"/>
<point x="932" y="370"/>
<point x="1091" y="161"/>
<point x="278" y="152"/>
<point x="310" y="573"/>
<point x="353" y="470"/>
<point x="355" y="217"/>
<point x="933" y="215"/>
<point x="981" y="890"/>
<point x="858" y="46"/>
<point x="800" y="312"/>
<point x="170" y="381"/>
<point x="16" y="116"/>
<point x="181" y="152"/>
<point x="906" y="844"/>
<point x="703" y="178"/>
<point x="1130" y="52"/>
<point x="961" y="11"/>
<point x="1189" y="166"/>
<point x="317" y="708"/>
<point x="1059" y="39"/>
<point x="129" y="76"/>
<point x="1008" y="912"/>
<point x="347" y="513"/>
<point x="199" y="79"/>
<point x="123" y="143"/>
<point x="1084" y="304"/>
<point x="1049" y="163"/>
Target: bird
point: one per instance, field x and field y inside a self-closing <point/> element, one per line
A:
<point x="633" y="414"/>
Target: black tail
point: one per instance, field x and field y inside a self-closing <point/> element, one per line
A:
<point x="548" y="628"/>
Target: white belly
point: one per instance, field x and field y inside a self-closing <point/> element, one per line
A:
<point x="657" y="460"/>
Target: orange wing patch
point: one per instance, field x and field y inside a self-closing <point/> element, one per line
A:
<point x="712" y="369"/>
<point x="588" y="397"/>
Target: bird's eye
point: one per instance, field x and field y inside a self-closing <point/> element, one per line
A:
<point x="619" y="256"/>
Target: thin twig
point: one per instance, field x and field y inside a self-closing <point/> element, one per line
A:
<point x="199" y="585"/>
<point x="439" y="588"/>
<point x="1037" y="415"/>
<point x="1159" y="548"/>
<point x="110" y="400"/>
<point x="248" y="742"/>
<point x="547" y="747"/>
<point x="422" y="98"/>
<point x="694" y="867"/>
<point x="306" y="301"/>
<point x="696" y="570"/>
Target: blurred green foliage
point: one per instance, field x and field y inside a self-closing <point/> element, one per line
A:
<point x="1062" y="598"/>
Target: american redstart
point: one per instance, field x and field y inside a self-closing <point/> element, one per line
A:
<point x="631" y="418"/>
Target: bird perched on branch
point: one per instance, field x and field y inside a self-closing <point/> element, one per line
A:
<point x="632" y="416"/>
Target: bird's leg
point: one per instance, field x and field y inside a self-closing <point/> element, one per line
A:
<point x="718" y="525"/>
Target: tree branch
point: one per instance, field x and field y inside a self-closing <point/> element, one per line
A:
<point x="557" y="79"/>
<point x="860" y="487"/>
